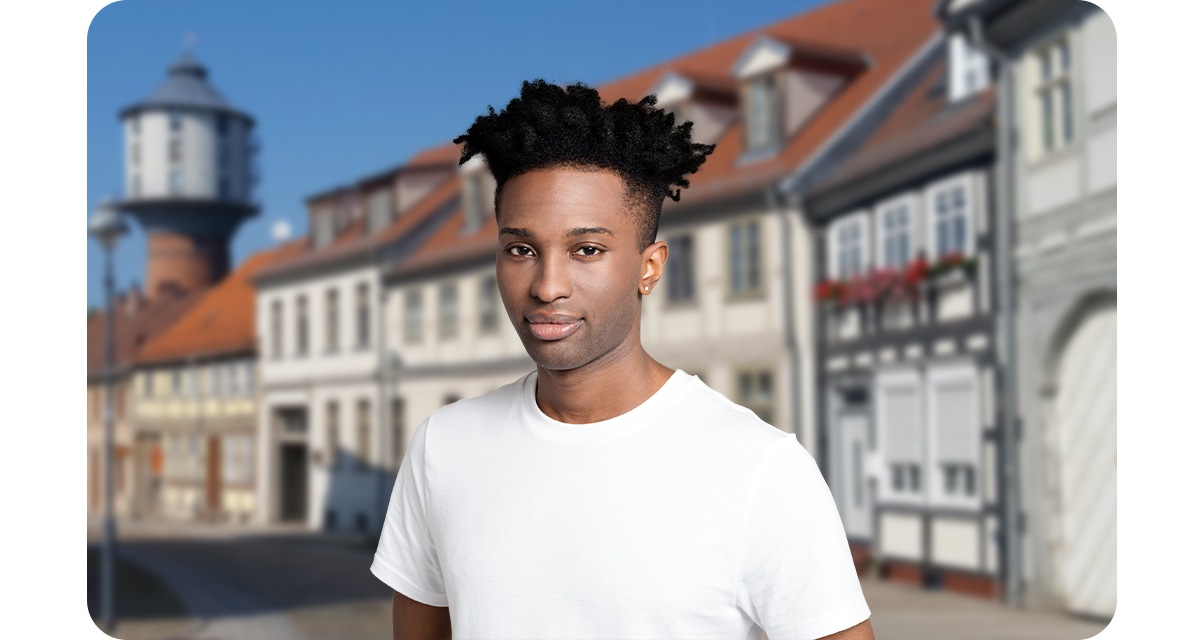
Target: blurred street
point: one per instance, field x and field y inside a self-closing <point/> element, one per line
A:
<point x="284" y="583"/>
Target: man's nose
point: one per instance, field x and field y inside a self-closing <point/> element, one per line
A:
<point x="552" y="279"/>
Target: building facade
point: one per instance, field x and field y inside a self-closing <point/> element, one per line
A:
<point x="1057" y="60"/>
<point x="906" y="238"/>
<point x="323" y="450"/>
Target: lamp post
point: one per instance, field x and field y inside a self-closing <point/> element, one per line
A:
<point x="107" y="227"/>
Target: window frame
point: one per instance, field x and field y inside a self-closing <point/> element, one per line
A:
<point x="363" y="315"/>
<point x="906" y="378"/>
<point x="332" y="320"/>
<point x="961" y="181"/>
<point x="488" y="320"/>
<point x="681" y="261"/>
<point x="449" y="321"/>
<point x="767" y="117"/>
<point x="301" y="322"/>
<point x="333" y="434"/>
<point x="882" y="237"/>
<point x="747" y="290"/>
<point x="858" y="219"/>
<point x="953" y="372"/>
<point x="412" y="315"/>
<point x="1057" y="132"/>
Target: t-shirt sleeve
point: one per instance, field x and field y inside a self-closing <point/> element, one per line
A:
<point x="796" y="579"/>
<point x="406" y="558"/>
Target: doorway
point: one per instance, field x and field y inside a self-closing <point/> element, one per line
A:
<point x="294" y="478"/>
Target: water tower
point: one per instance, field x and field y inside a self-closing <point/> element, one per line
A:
<point x="189" y="173"/>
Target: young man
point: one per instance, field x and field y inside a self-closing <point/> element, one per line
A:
<point x="604" y="495"/>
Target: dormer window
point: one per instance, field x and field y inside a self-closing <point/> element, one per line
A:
<point x="479" y="186"/>
<point x="380" y="212"/>
<point x="969" y="71"/>
<point x="762" y="112"/>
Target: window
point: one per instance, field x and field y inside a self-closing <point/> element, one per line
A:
<point x="176" y="182"/>
<point x="847" y="242"/>
<point x="238" y="466"/>
<point x="135" y="125"/>
<point x="216" y="384"/>
<point x="176" y="122"/>
<point x="135" y="185"/>
<point x="901" y="423"/>
<point x="332" y="434"/>
<point x="397" y="415"/>
<point x="175" y="151"/>
<point x="277" y="329"/>
<point x="754" y="390"/>
<point x="489" y="304"/>
<point x="363" y="425"/>
<point x="681" y="268"/>
<point x="413" y="316"/>
<point x="248" y="368"/>
<point x="223" y="188"/>
<point x="135" y="154"/>
<point x="957" y="432"/>
<point x="332" y="320"/>
<point x="323" y="227"/>
<point x="969" y="71"/>
<point x="478" y="201"/>
<point x="148" y="384"/>
<point x="234" y="382"/>
<point x="448" y="312"/>
<point x="1053" y="95"/>
<point x="380" y="212"/>
<point x="363" y="316"/>
<point x="950" y="219"/>
<point x="763" y="112"/>
<point x="223" y="124"/>
<point x="302" y="326"/>
<point x="177" y="382"/>
<point x="894" y="224"/>
<point x="744" y="252"/>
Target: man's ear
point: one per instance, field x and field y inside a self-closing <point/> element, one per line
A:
<point x="652" y="264"/>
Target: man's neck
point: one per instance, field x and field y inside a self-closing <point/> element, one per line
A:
<point x="593" y="394"/>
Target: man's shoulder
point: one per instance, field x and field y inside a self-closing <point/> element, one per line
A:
<point x="494" y="404"/>
<point x="710" y="414"/>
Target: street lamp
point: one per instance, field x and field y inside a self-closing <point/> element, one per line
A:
<point x="107" y="226"/>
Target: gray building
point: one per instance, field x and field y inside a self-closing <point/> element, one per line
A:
<point x="1056" y="61"/>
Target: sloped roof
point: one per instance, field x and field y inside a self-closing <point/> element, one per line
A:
<point x="132" y="329"/>
<point x="449" y="245"/>
<point x="923" y="120"/>
<point x="353" y="242"/>
<point x="186" y="86"/>
<point x="886" y="33"/>
<point x="223" y="321"/>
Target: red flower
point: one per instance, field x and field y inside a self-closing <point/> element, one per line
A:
<point x="916" y="272"/>
<point x="824" y="290"/>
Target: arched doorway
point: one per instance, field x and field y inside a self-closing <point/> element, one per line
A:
<point x="1082" y="421"/>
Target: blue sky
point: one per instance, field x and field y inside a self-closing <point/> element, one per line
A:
<point x="343" y="90"/>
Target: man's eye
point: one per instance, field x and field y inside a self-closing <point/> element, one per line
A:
<point x="589" y="251"/>
<point x="519" y="251"/>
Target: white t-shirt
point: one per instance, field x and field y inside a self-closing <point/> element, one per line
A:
<point x="686" y="517"/>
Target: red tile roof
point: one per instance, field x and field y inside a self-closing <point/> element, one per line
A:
<point x="353" y="242"/>
<point x="886" y="34"/>
<point x="923" y="120"/>
<point x="132" y="329"/>
<point x="223" y="321"/>
<point x="449" y="245"/>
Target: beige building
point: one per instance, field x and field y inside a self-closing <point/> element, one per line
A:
<point x="194" y="394"/>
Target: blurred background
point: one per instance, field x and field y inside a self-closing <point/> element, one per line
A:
<point x="903" y="251"/>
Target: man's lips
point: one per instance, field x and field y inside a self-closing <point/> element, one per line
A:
<point x="552" y="326"/>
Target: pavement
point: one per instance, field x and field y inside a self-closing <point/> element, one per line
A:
<point x="288" y="583"/>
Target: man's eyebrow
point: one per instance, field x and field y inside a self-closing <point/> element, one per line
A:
<point x="585" y="231"/>
<point x="522" y="233"/>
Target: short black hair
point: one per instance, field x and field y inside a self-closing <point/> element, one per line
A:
<point x="569" y="127"/>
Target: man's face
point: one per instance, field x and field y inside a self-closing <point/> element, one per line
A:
<point x="569" y="268"/>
